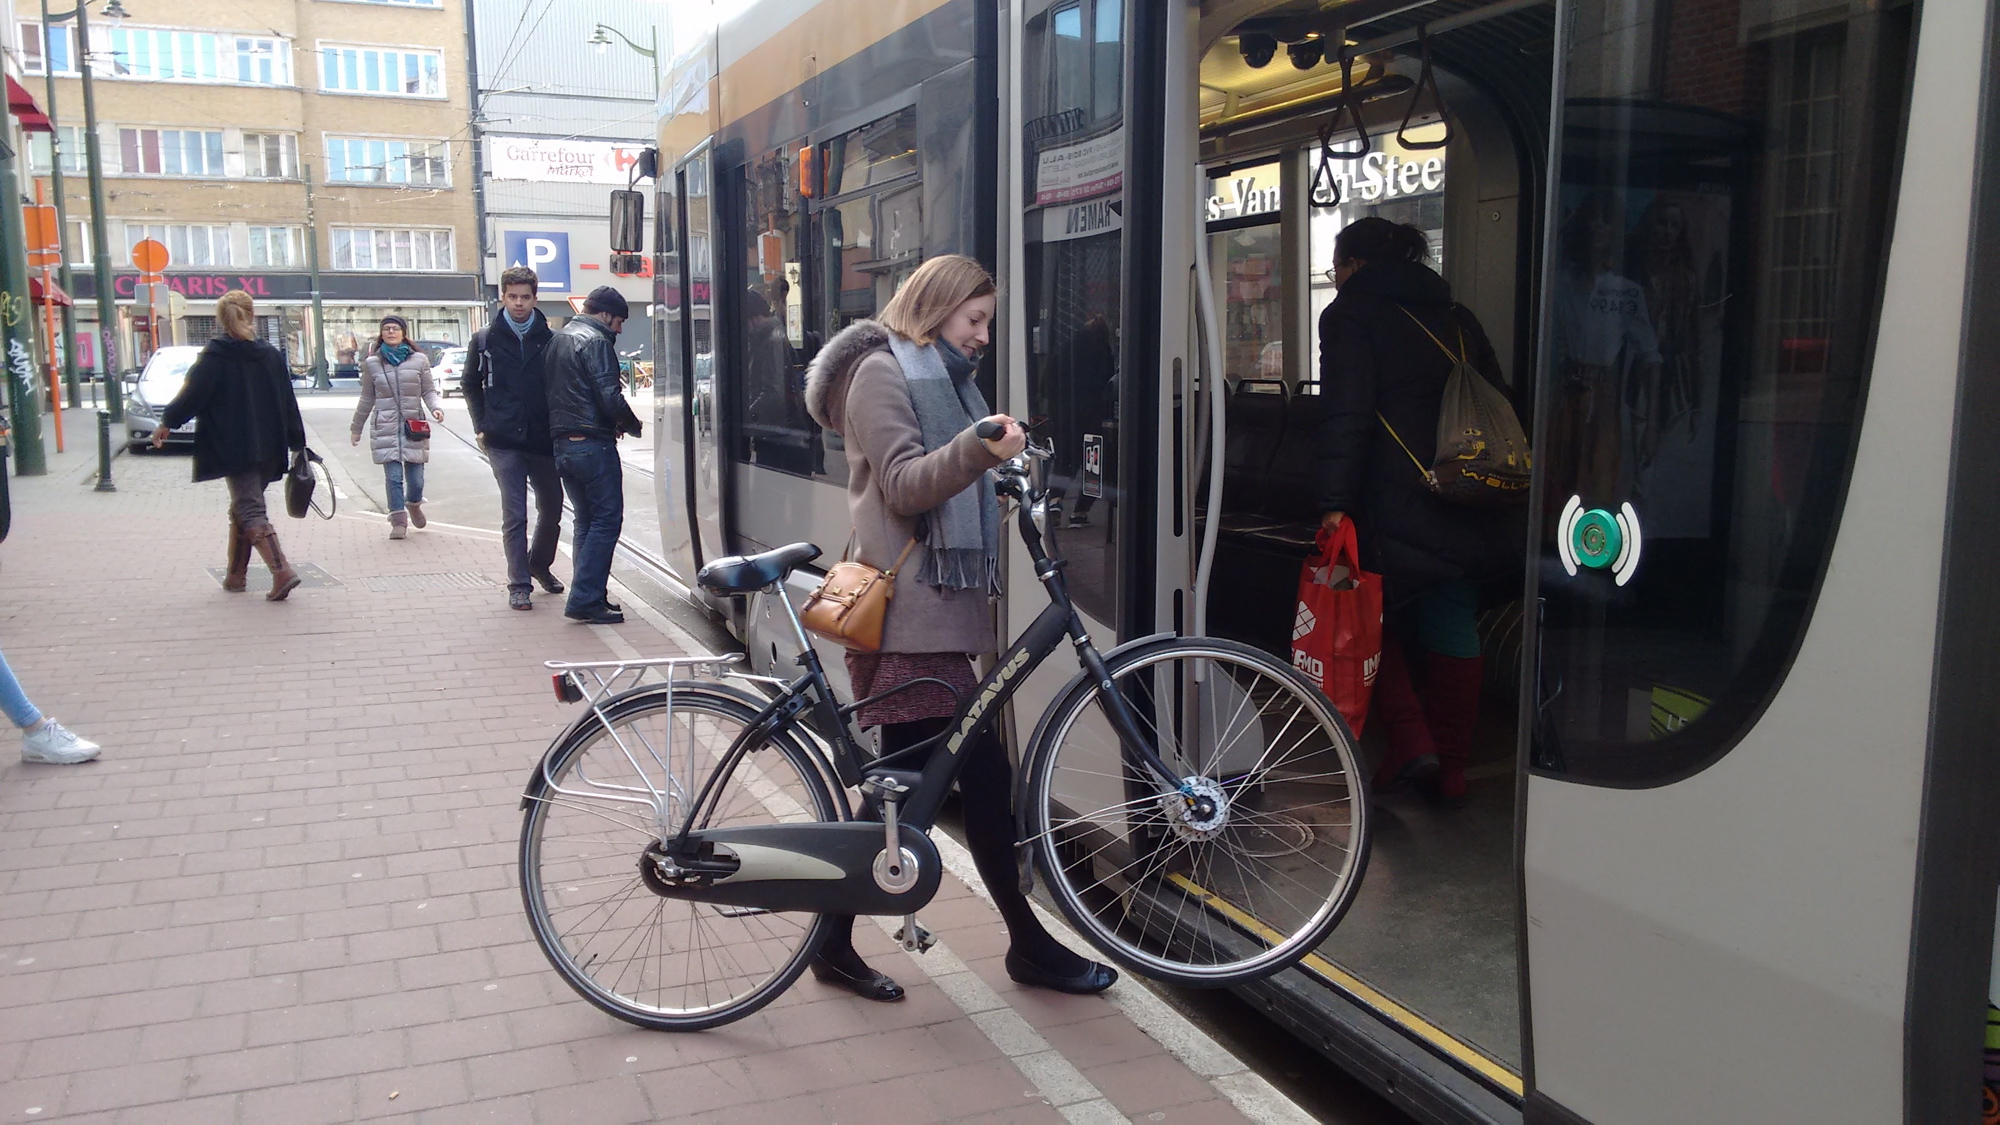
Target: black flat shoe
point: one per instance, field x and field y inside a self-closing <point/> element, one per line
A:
<point x="876" y="986"/>
<point x="596" y="615"/>
<point x="1091" y="981"/>
<point x="550" y="583"/>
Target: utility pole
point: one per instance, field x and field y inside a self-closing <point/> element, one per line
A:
<point x="70" y="380"/>
<point x="320" y="381"/>
<point x="107" y="304"/>
<point x="17" y="324"/>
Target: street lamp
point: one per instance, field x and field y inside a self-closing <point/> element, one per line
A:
<point x="600" y="38"/>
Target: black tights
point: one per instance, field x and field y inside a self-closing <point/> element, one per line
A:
<point x="985" y="787"/>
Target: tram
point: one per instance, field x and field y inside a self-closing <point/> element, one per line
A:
<point x="1731" y="853"/>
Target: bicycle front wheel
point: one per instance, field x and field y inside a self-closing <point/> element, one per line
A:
<point x="1249" y="863"/>
<point x="594" y="814"/>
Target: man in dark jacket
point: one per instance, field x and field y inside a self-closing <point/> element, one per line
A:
<point x="587" y="414"/>
<point x="509" y="402"/>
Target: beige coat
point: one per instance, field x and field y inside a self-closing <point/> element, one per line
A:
<point x="859" y="392"/>
<point x="387" y="397"/>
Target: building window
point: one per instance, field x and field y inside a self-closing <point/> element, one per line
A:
<point x="403" y="3"/>
<point x="170" y="152"/>
<point x="36" y="56"/>
<point x="377" y="70"/>
<point x="275" y="247"/>
<point x="187" y="245"/>
<point x="271" y="156"/>
<point x="370" y="160"/>
<point x="76" y="240"/>
<point x="70" y="137"/>
<point x="198" y="56"/>
<point x="391" y="249"/>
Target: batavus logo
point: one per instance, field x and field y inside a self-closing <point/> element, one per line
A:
<point x="985" y="700"/>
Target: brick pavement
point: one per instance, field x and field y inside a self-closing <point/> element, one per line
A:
<point x="287" y="894"/>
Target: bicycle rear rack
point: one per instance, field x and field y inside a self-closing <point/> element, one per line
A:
<point x="596" y="682"/>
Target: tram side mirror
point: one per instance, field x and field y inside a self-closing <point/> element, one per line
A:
<point x="628" y="222"/>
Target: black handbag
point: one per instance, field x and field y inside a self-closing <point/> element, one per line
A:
<point x="299" y="483"/>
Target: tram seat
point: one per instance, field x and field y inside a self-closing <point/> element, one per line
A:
<point x="1270" y="517"/>
<point x="741" y="574"/>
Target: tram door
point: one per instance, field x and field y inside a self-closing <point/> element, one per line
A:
<point x="1741" y="515"/>
<point x="1096" y="253"/>
<point x="689" y="448"/>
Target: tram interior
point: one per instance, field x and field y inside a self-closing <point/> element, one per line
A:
<point x="1435" y="925"/>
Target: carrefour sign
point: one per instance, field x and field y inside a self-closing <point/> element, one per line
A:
<point x="561" y="161"/>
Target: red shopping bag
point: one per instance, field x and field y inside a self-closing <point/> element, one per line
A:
<point x="1337" y="634"/>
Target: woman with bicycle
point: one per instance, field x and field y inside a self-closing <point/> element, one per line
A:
<point x="239" y="394"/>
<point x="901" y="393"/>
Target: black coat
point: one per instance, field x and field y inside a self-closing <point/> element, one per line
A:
<point x="239" y="393"/>
<point x="1375" y="359"/>
<point x="581" y="370"/>
<point x="503" y="385"/>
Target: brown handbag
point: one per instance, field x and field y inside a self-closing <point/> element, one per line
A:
<point x="852" y="601"/>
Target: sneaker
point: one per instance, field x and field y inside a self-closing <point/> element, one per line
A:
<point x="56" y="744"/>
<point x="518" y="599"/>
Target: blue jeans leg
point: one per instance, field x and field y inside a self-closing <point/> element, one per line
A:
<point x="413" y="481"/>
<point x="392" y="482"/>
<point x="594" y="480"/>
<point x="13" y="701"/>
<point x="517" y="473"/>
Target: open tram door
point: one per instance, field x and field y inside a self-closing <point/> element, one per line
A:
<point x="689" y="476"/>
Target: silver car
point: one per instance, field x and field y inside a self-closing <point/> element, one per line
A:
<point x="449" y="372"/>
<point x="156" y="386"/>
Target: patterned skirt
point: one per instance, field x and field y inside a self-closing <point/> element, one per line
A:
<point x="876" y="672"/>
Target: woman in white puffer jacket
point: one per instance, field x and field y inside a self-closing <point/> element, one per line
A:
<point x="396" y="388"/>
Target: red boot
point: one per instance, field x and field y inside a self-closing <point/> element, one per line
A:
<point x="1412" y="755"/>
<point x="1451" y="706"/>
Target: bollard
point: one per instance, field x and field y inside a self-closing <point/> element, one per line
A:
<point x="104" y="452"/>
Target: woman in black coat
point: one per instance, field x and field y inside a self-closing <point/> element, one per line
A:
<point x="247" y="423"/>
<point x="1383" y="365"/>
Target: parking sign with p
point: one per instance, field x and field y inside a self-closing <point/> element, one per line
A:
<point x="545" y="252"/>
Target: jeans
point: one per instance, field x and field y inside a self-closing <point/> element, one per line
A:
<point x="405" y="481"/>
<point x="13" y="701"/>
<point x="515" y="471"/>
<point x="246" y="498"/>
<point x="595" y="482"/>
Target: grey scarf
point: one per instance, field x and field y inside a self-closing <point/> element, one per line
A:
<point x="962" y="535"/>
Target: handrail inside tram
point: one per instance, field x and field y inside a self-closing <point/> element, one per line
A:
<point x="1218" y="424"/>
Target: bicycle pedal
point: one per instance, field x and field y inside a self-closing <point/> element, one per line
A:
<point x="923" y="940"/>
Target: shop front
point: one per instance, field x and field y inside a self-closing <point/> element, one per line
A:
<point x="441" y="308"/>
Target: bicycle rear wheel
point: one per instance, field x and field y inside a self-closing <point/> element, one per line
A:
<point x="1212" y="898"/>
<point x="659" y="962"/>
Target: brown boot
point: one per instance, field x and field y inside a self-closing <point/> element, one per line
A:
<point x="283" y="578"/>
<point x="238" y="578"/>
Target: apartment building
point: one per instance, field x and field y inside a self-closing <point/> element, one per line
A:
<point x="234" y="131"/>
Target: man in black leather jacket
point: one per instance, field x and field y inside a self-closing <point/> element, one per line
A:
<point x="587" y="414"/>
<point x="509" y="403"/>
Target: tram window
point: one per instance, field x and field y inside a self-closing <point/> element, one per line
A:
<point x="774" y="431"/>
<point x="1395" y="183"/>
<point x="1246" y="253"/>
<point x="1720" y="237"/>
<point x="882" y="150"/>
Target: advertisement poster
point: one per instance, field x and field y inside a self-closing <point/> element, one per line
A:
<point x="560" y="161"/>
<point x="1079" y="171"/>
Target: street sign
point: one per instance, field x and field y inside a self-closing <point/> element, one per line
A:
<point x="149" y="256"/>
<point x="545" y="252"/>
<point x="44" y="234"/>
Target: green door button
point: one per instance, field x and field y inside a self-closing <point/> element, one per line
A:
<point x="1596" y="538"/>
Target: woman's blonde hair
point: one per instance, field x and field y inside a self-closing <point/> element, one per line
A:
<point x="237" y="314"/>
<point x="930" y="295"/>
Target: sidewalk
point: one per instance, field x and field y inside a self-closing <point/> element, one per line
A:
<point x="286" y="893"/>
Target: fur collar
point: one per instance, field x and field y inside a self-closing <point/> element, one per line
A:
<point x="827" y="376"/>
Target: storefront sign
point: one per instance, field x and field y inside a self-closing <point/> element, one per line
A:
<point x="1389" y="172"/>
<point x="1080" y="171"/>
<point x="334" y="286"/>
<point x="1246" y="192"/>
<point x="1081" y="220"/>
<point x="553" y="162"/>
<point x="544" y="251"/>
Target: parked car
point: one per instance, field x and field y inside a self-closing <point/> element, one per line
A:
<point x="446" y="372"/>
<point x="152" y="390"/>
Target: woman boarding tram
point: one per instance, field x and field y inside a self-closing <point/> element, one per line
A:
<point x="900" y="392"/>
<point x="1738" y="861"/>
<point x="1383" y="364"/>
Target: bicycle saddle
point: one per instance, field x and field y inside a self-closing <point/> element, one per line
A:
<point x="740" y="574"/>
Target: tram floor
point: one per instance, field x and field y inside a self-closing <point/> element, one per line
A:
<point x="1434" y="925"/>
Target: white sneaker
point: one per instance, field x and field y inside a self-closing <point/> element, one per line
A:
<point x="54" y="743"/>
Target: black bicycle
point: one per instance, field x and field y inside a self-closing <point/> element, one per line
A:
<point x="1195" y="806"/>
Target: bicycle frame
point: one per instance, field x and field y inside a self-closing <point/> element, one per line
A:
<point x="976" y="715"/>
